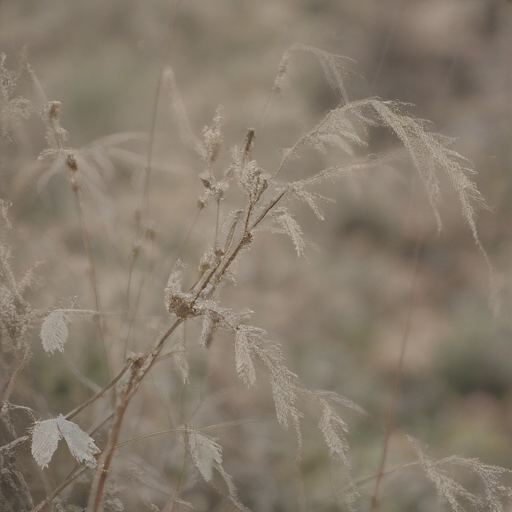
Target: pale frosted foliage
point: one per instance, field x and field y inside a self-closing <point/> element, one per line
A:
<point x="54" y="330"/>
<point x="335" y="130"/>
<point x="244" y="356"/>
<point x="281" y="74"/>
<point x="180" y="360"/>
<point x="284" y="223"/>
<point x="208" y="330"/>
<point x="213" y="138"/>
<point x="338" y="399"/>
<point x="176" y="301"/>
<point x="250" y="177"/>
<point x="80" y="445"/>
<point x="224" y="318"/>
<point x="55" y="134"/>
<point x="311" y="199"/>
<point x="429" y="153"/>
<point x="284" y="383"/>
<point x="335" y="431"/>
<point x="333" y="67"/>
<point x="16" y="315"/>
<point x="206" y="454"/>
<point x="455" y="494"/>
<point x="176" y="277"/>
<point x="45" y="438"/>
<point x="12" y="107"/>
<point x="47" y="434"/>
<point x="213" y="188"/>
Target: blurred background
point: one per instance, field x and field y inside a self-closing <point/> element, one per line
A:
<point x="341" y="312"/>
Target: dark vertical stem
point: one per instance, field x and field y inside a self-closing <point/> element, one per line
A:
<point x="398" y="378"/>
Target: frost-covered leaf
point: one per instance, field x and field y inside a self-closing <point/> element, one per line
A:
<point x="181" y="361"/>
<point x="47" y="434"/>
<point x="54" y="330"/>
<point x="80" y="444"/>
<point x="244" y="357"/>
<point x="213" y="138"/>
<point x="176" y="277"/>
<point x="208" y="330"/>
<point x="284" y="223"/>
<point x="205" y="452"/>
<point x="339" y="399"/>
<point x="45" y="438"/>
<point x="496" y="493"/>
<point x="335" y="431"/>
<point x="284" y="383"/>
<point x="336" y="130"/>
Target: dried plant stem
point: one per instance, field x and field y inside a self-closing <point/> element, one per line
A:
<point x="72" y="476"/>
<point x="143" y="210"/>
<point x="20" y="440"/>
<point x="172" y="500"/>
<point x="91" y="400"/>
<point x="100" y="476"/>
<point x="140" y="366"/>
<point x="269" y="207"/>
<point x="144" y="200"/>
<point x="71" y="163"/>
<point x="398" y="378"/>
<point x="221" y="267"/>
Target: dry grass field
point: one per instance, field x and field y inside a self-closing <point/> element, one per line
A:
<point x="223" y="283"/>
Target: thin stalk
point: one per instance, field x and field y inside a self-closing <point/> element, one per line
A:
<point x="72" y="476"/>
<point x="143" y="210"/>
<point x="172" y="500"/>
<point x="398" y="378"/>
<point x="92" y="273"/>
<point x="144" y="200"/>
<point x="140" y="368"/>
<point x="216" y="241"/>
<point x="269" y="207"/>
<point x="91" y="400"/>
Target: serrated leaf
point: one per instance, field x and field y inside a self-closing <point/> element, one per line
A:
<point x="206" y="453"/>
<point x="45" y="438"/>
<point x="54" y="331"/>
<point x="47" y="434"/>
<point x="80" y="444"/>
<point x="243" y="356"/>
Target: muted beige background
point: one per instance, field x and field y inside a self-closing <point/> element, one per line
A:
<point x="341" y="313"/>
